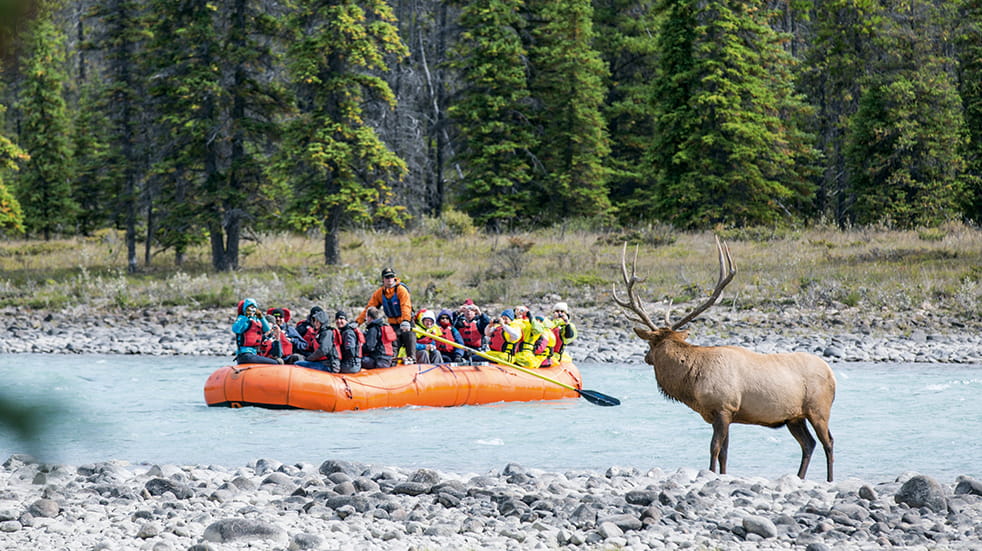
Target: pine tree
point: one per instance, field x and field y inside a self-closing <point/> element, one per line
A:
<point x="44" y="186"/>
<point x="728" y="149"/>
<point x="92" y="183"/>
<point x="969" y="39"/>
<point x="568" y="85"/>
<point x="339" y="169"/>
<point x="493" y="112"/>
<point x="626" y="36"/>
<point x="838" y="58"/>
<point x="123" y="31"/>
<point x="215" y="100"/>
<point x="240" y="192"/>
<point x="183" y="60"/>
<point x="905" y="142"/>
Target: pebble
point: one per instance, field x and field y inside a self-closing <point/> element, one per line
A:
<point x="620" y="508"/>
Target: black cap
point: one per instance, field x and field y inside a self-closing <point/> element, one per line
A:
<point x="276" y="312"/>
<point x="340" y="314"/>
<point x="388" y="272"/>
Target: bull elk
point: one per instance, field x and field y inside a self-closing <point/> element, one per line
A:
<point x="730" y="384"/>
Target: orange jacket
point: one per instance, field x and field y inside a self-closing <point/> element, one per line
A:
<point x="405" y="303"/>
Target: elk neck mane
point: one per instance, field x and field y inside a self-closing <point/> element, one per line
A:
<point x="676" y="364"/>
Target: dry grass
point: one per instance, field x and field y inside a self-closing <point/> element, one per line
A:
<point x="869" y="268"/>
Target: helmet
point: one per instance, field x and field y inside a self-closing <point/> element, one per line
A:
<point x="561" y="307"/>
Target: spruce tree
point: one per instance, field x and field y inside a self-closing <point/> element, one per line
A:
<point x="339" y="169"/>
<point x="240" y="194"/>
<point x="626" y="36"/>
<point x="568" y="84"/>
<point x="93" y="185"/>
<point x="838" y="57"/>
<point x="123" y="30"/>
<point x="969" y="41"/>
<point x="182" y="58"/>
<point x="727" y="148"/>
<point x="904" y="149"/>
<point x="44" y="186"/>
<point x="492" y="112"/>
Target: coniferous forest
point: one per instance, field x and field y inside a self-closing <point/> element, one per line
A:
<point x="200" y="122"/>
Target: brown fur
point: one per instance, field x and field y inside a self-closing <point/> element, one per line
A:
<point x="730" y="384"/>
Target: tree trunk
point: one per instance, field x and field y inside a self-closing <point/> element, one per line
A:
<point x="332" y="248"/>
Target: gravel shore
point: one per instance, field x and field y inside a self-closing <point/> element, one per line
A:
<point x="837" y="334"/>
<point x="347" y="506"/>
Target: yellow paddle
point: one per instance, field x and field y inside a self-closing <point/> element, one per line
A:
<point x="591" y="396"/>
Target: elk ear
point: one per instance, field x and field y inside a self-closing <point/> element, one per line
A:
<point x="643" y="333"/>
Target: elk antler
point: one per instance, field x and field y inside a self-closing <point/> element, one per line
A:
<point x="726" y="272"/>
<point x="633" y="303"/>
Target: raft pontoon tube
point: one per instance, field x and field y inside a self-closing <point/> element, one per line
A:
<point x="293" y="387"/>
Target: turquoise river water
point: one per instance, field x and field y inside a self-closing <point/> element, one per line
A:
<point x="887" y="419"/>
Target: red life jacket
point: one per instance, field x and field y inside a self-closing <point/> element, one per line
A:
<point x="448" y="335"/>
<point x="470" y="335"/>
<point x="387" y="336"/>
<point x="560" y="344"/>
<point x="336" y="339"/>
<point x="310" y="337"/>
<point x="423" y="338"/>
<point x="286" y="347"/>
<point x="252" y="336"/>
<point x="361" y="342"/>
<point x="498" y="342"/>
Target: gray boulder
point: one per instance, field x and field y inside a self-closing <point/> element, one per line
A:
<point x="968" y="485"/>
<point x="160" y="486"/>
<point x="47" y="508"/>
<point x="922" y="491"/>
<point x="759" y="525"/>
<point x="240" y="530"/>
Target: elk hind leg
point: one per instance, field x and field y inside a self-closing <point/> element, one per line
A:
<point x="720" y="442"/>
<point x="800" y="432"/>
<point x="821" y="426"/>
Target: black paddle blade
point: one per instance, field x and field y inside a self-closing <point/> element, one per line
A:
<point x="599" y="399"/>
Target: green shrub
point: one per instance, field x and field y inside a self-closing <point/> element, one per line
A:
<point x="931" y="234"/>
<point x="756" y="234"/>
<point x="452" y="223"/>
<point x="585" y="280"/>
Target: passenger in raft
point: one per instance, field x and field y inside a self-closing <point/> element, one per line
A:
<point x="325" y="357"/>
<point x="534" y="347"/>
<point x="378" y="349"/>
<point x="426" y="351"/>
<point x="471" y="323"/>
<point x="250" y="328"/>
<point x="308" y="335"/>
<point x="565" y="331"/>
<point x="280" y="345"/>
<point x="350" y="341"/>
<point x="449" y="353"/>
<point x="396" y="302"/>
<point x="504" y="335"/>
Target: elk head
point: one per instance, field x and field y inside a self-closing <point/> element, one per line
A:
<point x="634" y="306"/>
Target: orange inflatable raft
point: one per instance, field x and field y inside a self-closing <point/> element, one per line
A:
<point x="288" y="386"/>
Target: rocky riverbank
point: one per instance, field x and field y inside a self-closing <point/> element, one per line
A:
<point x="838" y="334"/>
<point x="347" y="506"/>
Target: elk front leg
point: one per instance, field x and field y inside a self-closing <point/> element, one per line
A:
<point x="720" y="442"/>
